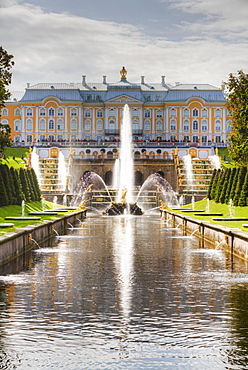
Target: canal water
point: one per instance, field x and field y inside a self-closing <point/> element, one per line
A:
<point x="124" y="293"/>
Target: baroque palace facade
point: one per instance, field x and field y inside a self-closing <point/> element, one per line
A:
<point x="89" y="111"/>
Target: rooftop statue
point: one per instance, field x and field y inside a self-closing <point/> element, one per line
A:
<point x="123" y="73"/>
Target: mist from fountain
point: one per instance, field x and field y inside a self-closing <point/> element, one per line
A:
<point x="215" y="161"/>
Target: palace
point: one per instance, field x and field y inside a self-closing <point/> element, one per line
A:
<point x="90" y="111"/>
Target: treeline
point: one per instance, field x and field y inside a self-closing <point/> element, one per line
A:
<point x="17" y="185"/>
<point x="229" y="183"/>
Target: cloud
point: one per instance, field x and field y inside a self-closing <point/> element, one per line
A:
<point x="59" y="47"/>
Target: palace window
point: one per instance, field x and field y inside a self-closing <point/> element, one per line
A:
<point x="217" y="139"/>
<point x="73" y="112"/>
<point x="112" y="112"/>
<point x="195" y="139"/>
<point x="204" y="139"/>
<point x="60" y="137"/>
<point x="60" y="124"/>
<point x="217" y="112"/>
<point x="217" y="125"/>
<point x="99" y="125"/>
<point x="195" y="112"/>
<point x="204" y="125"/>
<point x="29" y="125"/>
<point x="51" y="124"/>
<point x="112" y="125"/>
<point x="51" y="112"/>
<point x="29" y="138"/>
<point x="195" y="125"/>
<point x="17" y="112"/>
<point x="186" y="112"/>
<point x="204" y="112"/>
<point x="17" y="125"/>
<point x="135" y="113"/>
<point x="135" y="124"/>
<point x="99" y="113"/>
<point x="73" y="124"/>
<point x="186" y="125"/>
<point x="5" y="122"/>
<point x="4" y="112"/>
<point x="29" y="112"/>
<point x="173" y="125"/>
<point x="147" y="114"/>
<point x="173" y="112"/>
<point x="172" y="138"/>
<point x="42" y="138"/>
<point x="186" y="139"/>
<point x="60" y="112"/>
<point x="42" y="124"/>
<point x="159" y="114"/>
<point x="87" y="125"/>
<point x="159" y="126"/>
<point x="42" y="112"/>
<point x="147" y="126"/>
<point x="87" y="113"/>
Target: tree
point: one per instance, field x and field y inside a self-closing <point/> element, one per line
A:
<point x="237" y="104"/>
<point x="6" y="63"/>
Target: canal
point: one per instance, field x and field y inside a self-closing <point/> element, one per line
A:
<point x="124" y="293"/>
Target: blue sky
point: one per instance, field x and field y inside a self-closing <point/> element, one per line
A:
<point x="191" y="41"/>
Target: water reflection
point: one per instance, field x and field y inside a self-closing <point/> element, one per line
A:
<point x="122" y="293"/>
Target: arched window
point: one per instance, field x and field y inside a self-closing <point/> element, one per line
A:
<point x="204" y="125"/>
<point x="99" y="113"/>
<point x="147" y="114"/>
<point x="173" y="125"/>
<point x="173" y="112"/>
<point x="195" y="139"/>
<point x="29" y="124"/>
<point x="159" y="114"/>
<point x="60" y="124"/>
<point x="60" y="112"/>
<point x="195" y="125"/>
<point x="4" y="112"/>
<point x="135" y="124"/>
<point x="147" y="125"/>
<point x="217" y="125"/>
<point x="87" y="125"/>
<point x="42" y="124"/>
<point x="195" y="112"/>
<point x="29" y="112"/>
<point x="159" y="126"/>
<point x="51" y="112"/>
<point x="73" y="124"/>
<point x="99" y="125"/>
<point x="51" y="124"/>
<point x="42" y="112"/>
<point x="204" y="112"/>
<point x="87" y="113"/>
<point x="204" y="139"/>
<point x="5" y="122"/>
<point x="186" y="112"/>
<point x="186" y="125"/>
<point x="73" y="112"/>
<point x="17" y="125"/>
<point x="17" y="112"/>
<point x="111" y="124"/>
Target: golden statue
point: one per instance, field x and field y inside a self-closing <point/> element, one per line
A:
<point x="158" y="190"/>
<point x="89" y="188"/>
<point x="216" y="151"/>
<point x="163" y="205"/>
<point x="82" y="205"/>
<point x="123" y="196"/>
<point x="123" y="73"/>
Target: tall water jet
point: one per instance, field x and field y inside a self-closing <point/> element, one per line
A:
<point x="62" y="171"/>
<point x="126" y="167"/>
<point x="215" y="161"/>
<point x="35" y="164"/>
<point x="187" y="160"/>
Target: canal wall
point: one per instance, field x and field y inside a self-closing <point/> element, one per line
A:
<point x="19" y="241"/>
<point x="234" y="240"/>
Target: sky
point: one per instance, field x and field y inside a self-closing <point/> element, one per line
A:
<point x="188" y="41"/>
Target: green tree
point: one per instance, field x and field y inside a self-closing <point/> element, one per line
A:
<point x="6" y="63"/>
<point x="3" y="193"/>
<point x="225" y="185"/>
<point x="243" y="200"/>
<point x="25" y="185"/>
<point x="242" y="173"/>
<point x="237" y="104"/>
<point x="19" y="196"/>
<point x="230" y="183"/>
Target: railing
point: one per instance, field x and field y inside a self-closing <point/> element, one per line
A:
<point x="112" y="144"/>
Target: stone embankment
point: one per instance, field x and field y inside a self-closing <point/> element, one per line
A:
<point x="19" y="241"/>
<point x="233" y="240"/>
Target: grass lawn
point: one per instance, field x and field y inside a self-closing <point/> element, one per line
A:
<point x="16" y="211"/>
<point x="15" y="157"/>
<point x="219" y="208"/>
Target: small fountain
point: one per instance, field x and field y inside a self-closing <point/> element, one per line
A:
<point x="231" y="209"/>
<point x="187" y="160"/>
<point x="207" y="205"/>
<point x="43" y="204"/>
<point x="23" y="208"/>
<point x="62" y="171"/>
<point x="35" y="164"/>
<point x="193" y="202"/>
<point x="55" y="200"/>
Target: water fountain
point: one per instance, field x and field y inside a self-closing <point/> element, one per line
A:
<point x="35" y="163"/>
<point x="187" y="160"/>
<point x="92" y="190"/>
<point x="62" y="171"/>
